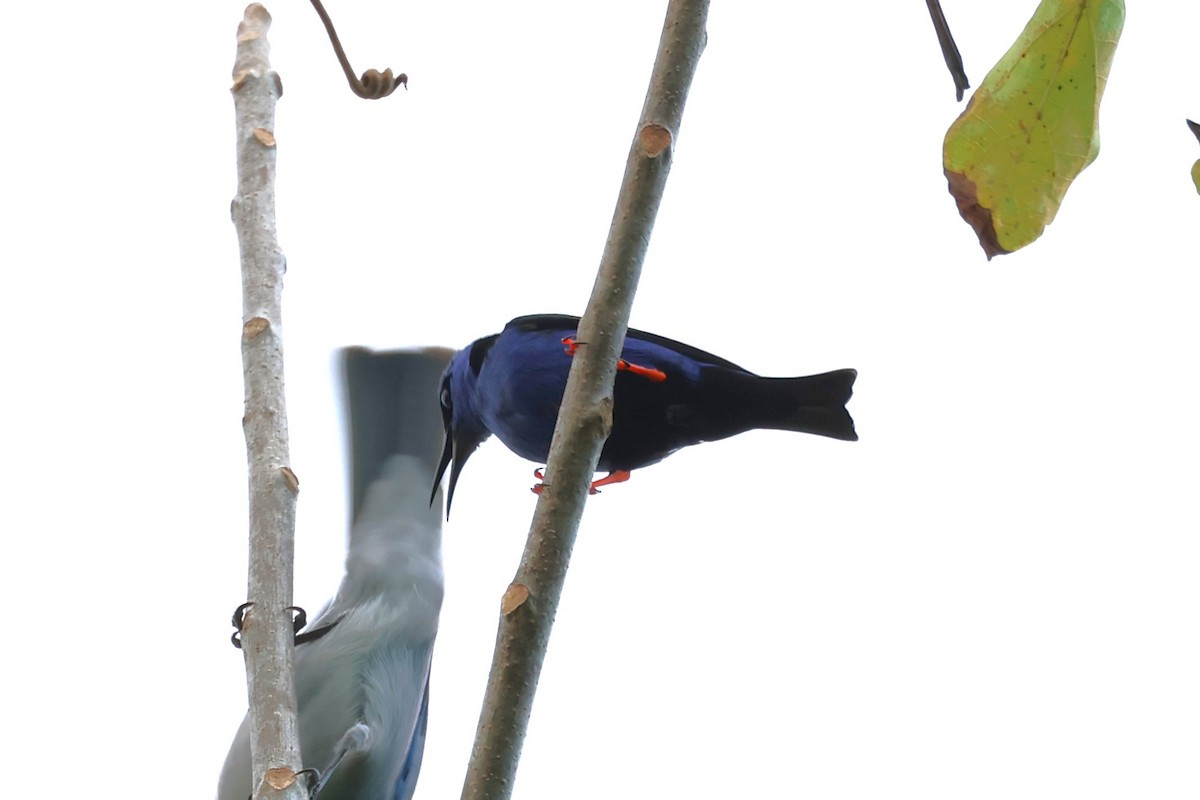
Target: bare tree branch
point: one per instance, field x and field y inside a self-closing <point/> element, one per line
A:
<point x="267" y="626"/>
<point x="529" y="605"/>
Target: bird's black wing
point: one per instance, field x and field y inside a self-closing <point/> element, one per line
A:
<point x="553" y="322"/>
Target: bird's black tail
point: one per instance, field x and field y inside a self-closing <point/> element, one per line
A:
<point x="811" y="404"/>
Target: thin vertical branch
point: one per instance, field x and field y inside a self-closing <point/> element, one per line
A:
<point x="529" y="605"/>
<point x="267" y="630"/>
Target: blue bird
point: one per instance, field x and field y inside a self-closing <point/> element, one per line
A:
<point x="667" y="395"/>
<point x="362" y="667"/>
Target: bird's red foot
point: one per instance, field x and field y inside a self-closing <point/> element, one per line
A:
<point x="616" y="476"/>
<point x="649" y="373"/>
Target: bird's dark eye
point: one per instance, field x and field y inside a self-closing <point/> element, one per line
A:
<point x="445" y="397"/>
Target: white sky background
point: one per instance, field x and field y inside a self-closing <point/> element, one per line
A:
<point x="992" y="595"/>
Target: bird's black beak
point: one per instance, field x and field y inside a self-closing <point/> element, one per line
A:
<point x="447" y="455"/>
<point x="454" y="455"/>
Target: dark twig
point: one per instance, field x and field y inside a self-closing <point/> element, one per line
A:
<point x="373" y="85"/>
<point x="528" y="607"/>
<point x="949" y="48"/>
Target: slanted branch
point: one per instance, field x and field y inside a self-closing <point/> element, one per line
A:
<point x="530" y="603"/>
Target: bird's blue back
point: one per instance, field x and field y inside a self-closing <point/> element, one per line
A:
<point x="523" y="374"/>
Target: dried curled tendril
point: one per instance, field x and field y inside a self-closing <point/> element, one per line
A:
<point x="373" y="85"/>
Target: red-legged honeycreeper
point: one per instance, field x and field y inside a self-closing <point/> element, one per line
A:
<point x="667" y="395"/>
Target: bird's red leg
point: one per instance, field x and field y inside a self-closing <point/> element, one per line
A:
<point x="649" y="373"/>
<point x="616" y="476"/>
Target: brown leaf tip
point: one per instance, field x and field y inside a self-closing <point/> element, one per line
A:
<point x="963" y="190"/>
<point x="514" y="598"/>
<point x="654" y="139"/>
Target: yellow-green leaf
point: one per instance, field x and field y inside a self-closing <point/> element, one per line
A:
<point x="1032" y="126"/>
